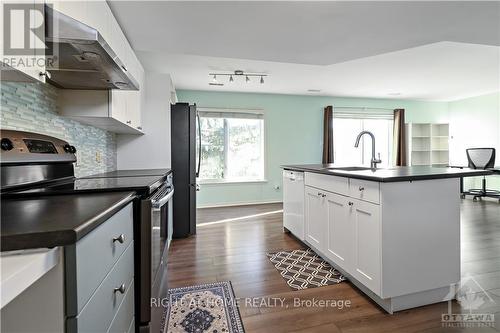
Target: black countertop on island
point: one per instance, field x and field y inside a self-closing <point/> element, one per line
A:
<point x="56" y="220"/>
<point x="393" y="174"/>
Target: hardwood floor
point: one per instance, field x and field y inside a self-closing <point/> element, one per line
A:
<point x="236" y="251"/>
<point x="210" y="215"/>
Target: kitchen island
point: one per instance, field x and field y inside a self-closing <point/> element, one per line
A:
<point x="395" y="233"/>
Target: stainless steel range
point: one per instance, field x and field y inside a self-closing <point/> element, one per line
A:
<point x="39" y="165"/>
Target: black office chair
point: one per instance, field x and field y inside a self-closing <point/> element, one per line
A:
<point x="481" y="158"/>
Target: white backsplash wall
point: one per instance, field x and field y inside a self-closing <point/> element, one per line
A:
<point x="32" y="107"/>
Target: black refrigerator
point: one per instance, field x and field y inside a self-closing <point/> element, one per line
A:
<point x="185" y="167"/>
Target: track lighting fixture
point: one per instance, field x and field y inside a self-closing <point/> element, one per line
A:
<point x="237" y="73"/>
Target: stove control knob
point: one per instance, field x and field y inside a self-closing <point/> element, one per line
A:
<point x="69" y="149"/>
<point x="6" y="144"/>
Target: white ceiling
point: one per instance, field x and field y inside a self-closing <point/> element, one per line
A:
<point x="421" y="50"/>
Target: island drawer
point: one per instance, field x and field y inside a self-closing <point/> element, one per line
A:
<point x="97" y="315"/>
<point x="125" y="314"/>
<point x="364" y="190"/>
<point x="328" y="183"/>
<point x="91" y="258"/>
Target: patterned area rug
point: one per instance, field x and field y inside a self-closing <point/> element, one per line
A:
<point x="303" y="269"/>
<point x="208" y="308"/>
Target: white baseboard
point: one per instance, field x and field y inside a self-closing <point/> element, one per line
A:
<point x="239" y="204"/>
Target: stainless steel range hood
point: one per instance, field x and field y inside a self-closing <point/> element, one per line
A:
<point x="84" y="59"/>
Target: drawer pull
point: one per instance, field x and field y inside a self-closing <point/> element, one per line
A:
<point x="351" y="203"/>
<point x="119" y="239"/>
<point x="120" y="289"/>
<point x="361" y="188"/>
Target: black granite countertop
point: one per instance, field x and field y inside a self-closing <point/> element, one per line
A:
<point x="142" y="185"/>
<point x="132" y="173"/>
<point x="50" y="221"/>
<point x="394" y="174"/>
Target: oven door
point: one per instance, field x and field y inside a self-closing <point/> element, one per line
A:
<point x="154" y="232"/>
<point x="161" y="232"/>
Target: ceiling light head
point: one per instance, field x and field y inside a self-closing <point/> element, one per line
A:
<point x="231" y="78"/>
<point x="262" y="79"/>
<point x="238" y="72"/>
<point x="247" y="79"/>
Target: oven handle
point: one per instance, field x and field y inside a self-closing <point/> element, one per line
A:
<point x="159" y="203"/>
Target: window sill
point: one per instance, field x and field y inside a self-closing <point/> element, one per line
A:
<point x="221" y="182"/>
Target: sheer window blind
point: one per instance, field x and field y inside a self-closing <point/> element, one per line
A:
<point x="362" y="113"/>
<point x="231" y="113"/>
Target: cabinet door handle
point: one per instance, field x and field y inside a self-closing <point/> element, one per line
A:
<point x="120" y="289"/>
<point x="120" y="239"/>
<point x="351" y="203"/>
<point x="361" y="188"/>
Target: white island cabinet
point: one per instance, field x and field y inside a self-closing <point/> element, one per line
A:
<point x="399" y="242"/>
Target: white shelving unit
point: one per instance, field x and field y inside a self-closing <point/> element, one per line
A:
<point x="428" y="144"/>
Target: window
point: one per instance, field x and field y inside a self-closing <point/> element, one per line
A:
<point x="346" y="127"/>
<point x="232" y="145"/>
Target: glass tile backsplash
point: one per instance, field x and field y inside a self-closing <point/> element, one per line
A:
<point x="32" y="107"/>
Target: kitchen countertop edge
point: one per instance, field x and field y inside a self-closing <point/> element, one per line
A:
<point x="382" y="179"/>
<point x="51" y="239"/>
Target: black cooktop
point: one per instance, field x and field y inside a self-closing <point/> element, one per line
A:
<point x="132" y="173"/>
<point x="142" y="185"/>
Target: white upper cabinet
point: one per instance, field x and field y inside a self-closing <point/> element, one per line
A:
<point x="125" y="106"/>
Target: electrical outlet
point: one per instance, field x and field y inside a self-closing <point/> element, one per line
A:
<point x="98" y="157"/>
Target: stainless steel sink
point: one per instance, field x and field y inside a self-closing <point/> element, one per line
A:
<point x="353" y="168"/>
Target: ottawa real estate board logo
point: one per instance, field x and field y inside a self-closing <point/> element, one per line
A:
<point x="23" y="37"/>
<point x="474" y="302"/>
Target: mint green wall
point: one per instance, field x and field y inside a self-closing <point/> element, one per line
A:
<point x="475" y="122"/>
<point x="294" y="129"/>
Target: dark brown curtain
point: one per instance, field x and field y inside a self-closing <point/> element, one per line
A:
<point x="328" y="135"/>
<point x="399" y="140"/>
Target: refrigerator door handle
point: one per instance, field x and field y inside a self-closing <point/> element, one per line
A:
<point x="199" y="145"/>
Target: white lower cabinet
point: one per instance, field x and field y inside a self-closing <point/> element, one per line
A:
<point x="366" y="262"/>
<point x="315" y="216"/>
<point x="340" y="231"/>
<point x="346" y="231"/>
<point x="399" y="242"/>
